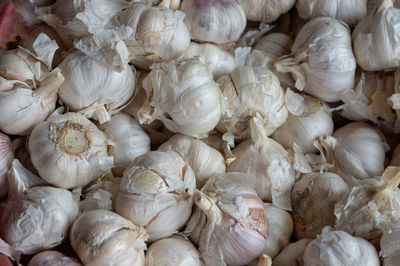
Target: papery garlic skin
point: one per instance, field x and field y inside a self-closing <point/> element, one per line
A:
<point x="389" y="245"/>
<point x="156" y="192"/>
<point x="101" y="237"/>
<point x="174" y="251"/>
<point x="184" y="96"/>
<point x="292" y="254"/>
<point x="205" y="161"/>
<point x="265" y="10"/>
<point x="216" y="21"/>
<point x="51" y="258"/>
<point x="27" y="10"/>
<point x="373" y="4"/>
<point x="128" y="140"/>
<point x="6" y="157"/>
<point x="69" y="151"/>
<point x="339" y="248"/>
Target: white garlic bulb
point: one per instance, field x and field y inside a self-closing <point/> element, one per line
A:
<point x="51" y="258"/>
<point x="216" y="21"/>
<point x="313" y="200"/>
<point x="184" y="96"/>
<point x="292" y="254"/>
<point x="103" y="237"/>
<point x="69" y="151"/>
<point x="375" y="45"/>
<point x="6" y="157"/>
<point x="35" y="218"/>
<point x="128" y="140"/>
<point x="349" y="11"/>
<point x="373" y="4"/>
<point x="323" y="63"/>
<point x="156" y="192"/>
<point x="275" y="44"/>
<point x="205" y="161"/>
<point x="173" y="251"/>
<point x="395" y="161"/>
<point x="94" y="89"/>
<point x="248" y="91"/>
<point x="339" y="248"/>
<point x="265" y="10"/>
<point x="229" y="223"/>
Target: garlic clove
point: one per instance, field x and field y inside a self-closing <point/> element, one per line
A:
<point x="6" y="157"/>
<point x="292" y="254"/>
<point x="50" y="258"/>
<point x="265" y="10"/>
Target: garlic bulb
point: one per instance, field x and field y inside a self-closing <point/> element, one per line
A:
<point x="373" y="4"/>
<point x="6" y="157"/>
<point x="349" y="11"/>
<point x="248" y="91"/>
<point x="156" y="193"/>
<point x="69" y="151"/>
<point x="313" y="200"/>
<point x="339" y="248"/>
<point x="27" y="10"/>
<point x="308" y="119"/>
<point x="184" y="96"/>
<point x="102" y="237"/>
<point x="229" y="223"/>
<point x="265" y="10"/>
<point x="94" y="89"/>
<point x="159" y="34"/>
<point x="292" y="254"/>
<point x="205" y="161"/>
<point x="173" y="251"/>
<point x="216" y="21"/>
<point x="219" y="62"/>
<point x="275" y="44"/>
<point x="51" y="258"/>
<point x="35" y="218"/>
<point x="129" y="140"/>
<point x="323" y="63"/>
<point x="395" y="156"/>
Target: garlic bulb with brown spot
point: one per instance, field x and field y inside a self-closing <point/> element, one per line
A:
<point x="103" y="237"/>
<point x="51" y="258"/>
<point x="292" y="254"/>
<point x="69" y="150"/>
<point x="6" y="157"/>
<point x="265" y="10"/>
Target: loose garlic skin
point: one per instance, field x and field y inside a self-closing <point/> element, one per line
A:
<point x="51" y="258"/>
<point x="292" y="254"/>
<point x="156" y="192"/>
<point x="6" y="157"/>
<point x="265" y="10"/>
<point x="104" y="238"/>
<point x="69" y="151"/>
<point x="27" y="10"/>
<point x="215" y="21"/>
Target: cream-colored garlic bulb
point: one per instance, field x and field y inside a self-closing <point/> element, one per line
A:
<point x="156" y="192"/>
<point x="184" y="96"/>
<point x="103" y="237"/>
<point x="51" y="258"/>
<point x="323" y="63"/>
<point x="308" y="119"/>
<point x="6" y="157"/>
<point x="94" y="89"/>
<point x="349" y="11"/>
<point x="219" y="62"/>
<point x="339" y="248"/>
<point x="69" y="151"/>
<point x="173" y="251"/>
<point x="35" y="218"/>
<point x="395" y="161"/>
<point x="292" y="254"/>
<point x="128" y="140"/>
<point x="229" y="223"/>
<point x="248" y="91"/>
<point x="216" y="21"/>
<point x="265" y="10"/>
<point x="313" y="200"/>
<point x="205" y="161"/>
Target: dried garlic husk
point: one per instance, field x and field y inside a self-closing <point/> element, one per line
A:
<point x="27" y="10"/>
<point x="156" y="192"/>
<point x="390" y="245"/>
<point x="103" y="237"/>
<point x="292" y="254"/>
<point x="128" y="140"/>
<point x="69" y="151"/>
<point x="51" y="258"/>
<point x="322" y="59"/>
<point x="205" y="161"/>
<point x="35" y="218"/>
<point x="394" y="101"/>
<point x="395" y="161"/>
<point x="313" y="199"/>
<point x="216" y="21"/>
<point x="265" y="10"/>
<point x="6" y="157"/>
<point x="184" y="96"/>
<point x="376" y="46"/>
<point x="229" y="223"/>
<point x="339" y="248"/>
<point x="173" y="251"/>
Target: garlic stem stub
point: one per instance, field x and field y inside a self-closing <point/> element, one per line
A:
<point x="265" y="10"/>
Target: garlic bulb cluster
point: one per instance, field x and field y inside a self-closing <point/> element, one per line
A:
<point x="35" y="218"/>
<point x="314" y="197"/>
<point x="174" y="250"/>
<point x="339" y="248"/>
<point x="156" y="192"/>
<point x="51" y="258"/>
<point x="69" y="151"/>
<point x="6" y="157"/>
<point x="128" y="140"/>
<point x="184" y="96"/>
<point x="216" y="21"/>
<point x="205" y="161"/>
<point x="103" y="237"/>
<point x="323" y="63"/>
<point x="265" y="10"/>
<point x="292" y="254"/>
<point x="229" y="223"/>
